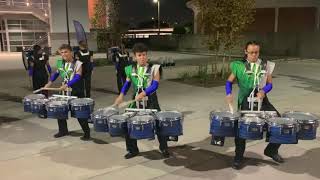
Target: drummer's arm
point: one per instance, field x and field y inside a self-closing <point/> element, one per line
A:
<point x="154" y="85"/>
<point x="229" y="83"/>
<point x="268" y="87"/>
<point x="125" y="87"/>
<point x="76" y="77"/>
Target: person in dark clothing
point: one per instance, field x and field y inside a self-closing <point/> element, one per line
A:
<point x="145" y="79"/>
<point x="70" y="69"/>
<point x="86" y="57"/>
<point x="39" y="68"/>
<point x="120" y="58"/>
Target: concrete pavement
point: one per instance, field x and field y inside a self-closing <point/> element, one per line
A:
<point x="28" y="150"/>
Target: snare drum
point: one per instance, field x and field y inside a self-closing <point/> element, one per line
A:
<point x="141" y="126"/>
<point x="308" y="124"/>
<point x="118" y="125"/>
<point x="82" y="107"/>
<point x="57" y="109"/>
<point x="283" y="130"/>
<point x="223" y="123"/>
<point x="100" y="119"/>
<point x="170" y="123"/>
<point x="38" y="106"/>
<point x="27" y="101"/>
<point x="251" y="127"/>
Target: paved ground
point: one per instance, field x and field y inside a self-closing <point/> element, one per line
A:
<point x="28" y="150"/>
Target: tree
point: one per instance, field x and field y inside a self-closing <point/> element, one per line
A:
<point x="106" y="21"/>
<point x="224" y="21"/>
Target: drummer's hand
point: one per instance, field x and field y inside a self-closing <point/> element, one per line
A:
<point x="229" y="99"/>
<point x="261" y="94"/>
<point x="64" y="87"/>
<point x="119" y="99"/>
<point x="140" y="96"/>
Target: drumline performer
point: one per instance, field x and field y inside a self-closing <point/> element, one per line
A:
<point x="70" y="70"/>
<point x="248" y="72"/>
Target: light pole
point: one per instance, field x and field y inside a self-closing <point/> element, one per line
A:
<point x="67" y="18"/>
<point x="158" y="2"/>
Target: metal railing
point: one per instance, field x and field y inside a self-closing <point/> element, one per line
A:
<point x="27" y="3"/>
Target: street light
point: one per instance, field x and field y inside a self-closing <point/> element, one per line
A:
<point x="158" y="2"/>
<point x="67" y="19"/>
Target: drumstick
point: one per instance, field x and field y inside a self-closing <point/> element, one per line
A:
<point x="121" y="105"/>
<point x="231" y="108"/>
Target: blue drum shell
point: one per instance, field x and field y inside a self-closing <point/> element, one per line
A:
<point x="170" y="128"/>
<point x="141" y="131"/>
<point x="83" y="111"/>
<point x="27" y="106"/>
<point x="283" y="135"/>
<point x="117" y="129"/>
<point x="307" y="131"/>
<point x="222" y="128"/>
<point x="252" y="131"/>
<point x="100" y="124"/>
<point x="60" y="112"/>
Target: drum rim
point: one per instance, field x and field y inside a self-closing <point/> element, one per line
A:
<point x="39" y="96"/>
<point x="133" y="120"/>
<point x="181" y="118"/>
<point x="110" y="120"/>
<point x="90" y="102"/>
<point x="261" y="121"/>
<point x="49" y="104"/>
<point x="295" y="123"/>
<point x="315" y="120"/>
<point x="236" y="115"/>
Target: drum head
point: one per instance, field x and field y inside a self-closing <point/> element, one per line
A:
<point x="142" y="119"/>
<point x="301" y="116"/>
<point x="169" y="115"/>
<point x="32" y="97"/>
<point x="252" y="118"/>
<point x="57" y="103"/>
<point x="278" y="121"/>
<point x="118" y="119"/>
<point x="40" y="101"/>
<point x="82" y="102"/>
<point x="225" y="115"/>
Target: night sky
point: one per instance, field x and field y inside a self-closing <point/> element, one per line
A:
<point x="143" y="10"/>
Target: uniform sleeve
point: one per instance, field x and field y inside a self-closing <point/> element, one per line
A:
<point x="234" y="68"/>
<point x="91" y="53"/>
<point x="127" y="71"/>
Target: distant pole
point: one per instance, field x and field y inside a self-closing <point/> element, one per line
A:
<point x="67" y="17"/>
<point x="159" y="17"/>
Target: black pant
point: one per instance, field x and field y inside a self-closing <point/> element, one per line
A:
<point x="63" y="126"/>
<point x="87" y="85"/>
<point x="272" y="148"/>
<point x="132" y="145"/>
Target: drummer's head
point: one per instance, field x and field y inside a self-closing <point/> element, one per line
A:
<point x="83" y="45"/>
<point x="252" y="51"/>
<point x="140" y="53"/>
<point x="66" y="52"/>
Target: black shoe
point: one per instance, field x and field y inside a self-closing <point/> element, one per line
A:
<point x="130" y="155"/>
<point x="237" y="164"/>
<point x="59" y="134"/>
<point x="165" y="153"/>
<point x="276" y="157"/>
<point x="85" y="138"/>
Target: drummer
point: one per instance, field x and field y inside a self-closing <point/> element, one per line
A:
<point x="145" y="87"/>
<point x="70" y="70"/>
<point x="254" y="65"/>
